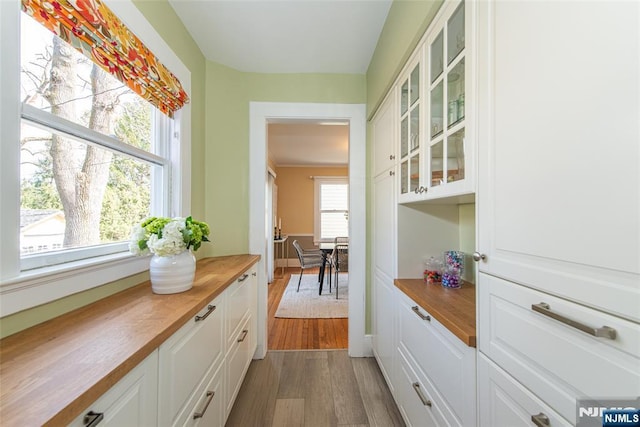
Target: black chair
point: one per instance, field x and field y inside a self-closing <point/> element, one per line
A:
<point x="339" y="259"/>
<point x="308" y="258"/>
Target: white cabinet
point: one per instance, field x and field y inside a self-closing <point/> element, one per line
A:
<point x="519" y="326"/>
<point x="559" y="166"/>
<point x="132" y="401"/>
<point x="504" y="402"/>
<point x="187" y="360"/>
<point x="241" y="333"/>
<point x="444" y="366"/>
<point x="383" y="272"/>
<point x="410" y="119"/>
<point x="383" y="130"/>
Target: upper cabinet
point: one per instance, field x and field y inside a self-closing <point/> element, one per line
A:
<point x="383" y="130"/>
<point x="410" y="100"/>
<point x="436" y="96"/>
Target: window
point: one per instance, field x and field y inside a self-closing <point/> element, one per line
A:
<point x="87" y="159"/>
<point x="331" y="208"/>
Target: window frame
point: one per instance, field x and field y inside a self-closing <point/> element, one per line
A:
<point x="317" y="214"/>
<point x="20" y="290"/>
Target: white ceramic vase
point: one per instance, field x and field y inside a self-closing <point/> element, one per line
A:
<point x="172" y="274"/>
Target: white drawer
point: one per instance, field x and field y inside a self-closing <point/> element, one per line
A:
<point x="186" y="357"/>
<point x="238" y="360"/>
<point x="239" y="301"/>
<point x="447" y="361"/>
<point x="504" y="402"/>
<point x="557" y="362"/>
<point x="207" y="406"/>
<point x="419" y="404"/>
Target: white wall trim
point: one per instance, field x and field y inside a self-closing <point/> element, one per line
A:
<point x="260" y="114"/>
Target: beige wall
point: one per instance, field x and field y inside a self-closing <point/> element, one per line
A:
<point x="296" y="196"/>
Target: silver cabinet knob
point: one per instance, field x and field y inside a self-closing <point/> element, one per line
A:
<point x="477" y="256"/>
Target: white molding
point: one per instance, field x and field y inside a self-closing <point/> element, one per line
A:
<point x="261" y="113"/>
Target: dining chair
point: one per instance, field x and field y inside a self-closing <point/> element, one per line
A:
<point x="339" y="259"/>
<point x="309" y="258"/>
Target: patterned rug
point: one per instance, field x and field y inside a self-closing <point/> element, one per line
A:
<point x="307" y="304"/>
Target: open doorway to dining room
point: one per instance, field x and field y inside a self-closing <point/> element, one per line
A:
<point x="263" y="227"/>
<point x="308" y="164"/>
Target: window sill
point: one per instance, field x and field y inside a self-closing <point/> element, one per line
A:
<point x="35" y="287"/>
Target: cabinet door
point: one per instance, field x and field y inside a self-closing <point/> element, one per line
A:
<point x="560" y="162"/>
<point x="504" y="402"/>
<point x="383" y="127"/>
<point x="185" y="359"/>
<point x="131" y="402"/>
<point x="384" y="328"/>
<point x="384" y="225"/>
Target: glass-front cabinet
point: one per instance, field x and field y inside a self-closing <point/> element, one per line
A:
<point x="435" y="139"/>
<point x="410" y="139"/>
<point x="447" y="149"/>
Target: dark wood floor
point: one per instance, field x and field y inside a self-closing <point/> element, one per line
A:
<point x="314" y="388"/>
<point x="302" y="334"/>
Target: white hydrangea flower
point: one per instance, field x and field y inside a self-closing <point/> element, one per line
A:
<point x="171" y="243"/>
<point x="137" y="234"/>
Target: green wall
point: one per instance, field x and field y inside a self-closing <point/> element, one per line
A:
<point x="229" y="93"/>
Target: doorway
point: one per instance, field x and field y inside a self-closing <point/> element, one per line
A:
<point x="260" y="115"/>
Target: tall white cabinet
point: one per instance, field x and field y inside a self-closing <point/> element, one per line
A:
<point x="384" y="128"/>
<point x="558" y="211"/>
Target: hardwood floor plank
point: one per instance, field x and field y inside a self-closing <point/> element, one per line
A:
<point x="319" y="410"/>
<point x="379" y="404"/>
<point x="289" y="413"/>
<point x="292" y="377"/>
<point x="256" y="401"/>
<point x="348" y="404"/>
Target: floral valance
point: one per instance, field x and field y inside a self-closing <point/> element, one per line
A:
<point x="93" y="29"/>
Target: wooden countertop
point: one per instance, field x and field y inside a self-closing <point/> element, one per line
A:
<point x="454" y="308"/>
<point x="51" y="372"/>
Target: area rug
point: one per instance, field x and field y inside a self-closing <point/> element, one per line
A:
<point x="307" y="304"/>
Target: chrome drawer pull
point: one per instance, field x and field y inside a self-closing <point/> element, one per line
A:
<point x="244" y="335"/>
<point x="243" y="278"/>
<point x="603" y="332"/>
<point x="541" y="420"/>
<point x="210" y="309"/>
<point x="425" y="401"/>
<point x="92" y="419"/>
<point x="210" y="395"/>
<point x="416" y="310"/>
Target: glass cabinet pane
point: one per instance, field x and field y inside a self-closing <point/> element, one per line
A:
<point x="404" y="98"/>
<point x="415" y="172"/>
<point x="437" y="109"/>
<point x="455" y="156"/>
<point x="415" y="128"/>
<point x="404" y="137"/>
<point x="437" y="64"/>
<point x="415" y="84"/>
<point x="404" y="177"/>
<point x="455" y="93"/>
<point x="455" y="33"/>
<point x="436" y="153"/>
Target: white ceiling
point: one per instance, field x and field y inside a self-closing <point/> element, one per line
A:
<point x="308" y="144"/>
<point x="286" y="36"/>
<point x="290" y="36"/>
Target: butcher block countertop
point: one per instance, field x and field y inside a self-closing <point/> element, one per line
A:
<point x="53" y="371"/>
<point x="454" y="308"/>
